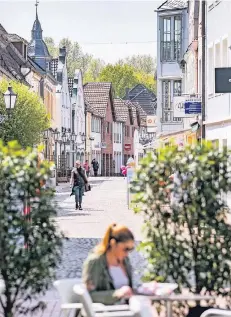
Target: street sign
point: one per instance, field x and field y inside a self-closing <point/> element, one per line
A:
<point x="186" y="106"/>
<point x="127" y="147"/>
<point x="223" y="80"/>
<point x="178" y="106"/>
<point x="193" y="107"/>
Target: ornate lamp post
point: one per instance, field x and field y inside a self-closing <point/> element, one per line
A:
<point x="10" y="99"/>
<point x="45" y="138"/>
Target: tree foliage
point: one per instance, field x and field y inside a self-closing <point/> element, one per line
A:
<point x="142" y="63"/>
<point x="190" y="240"/>
<point x="125" y="76"/>
<point x="131" y="70"/>
<point x="26" y="122"/>
<point x="30" y="246"/>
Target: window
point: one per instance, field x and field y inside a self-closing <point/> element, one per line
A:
<point x="167" y="87"/>
<point x="177" y="88"/>
<point x="171" y="38"/>
<point x="167" y="39"/>
<point x="177" y="37"/>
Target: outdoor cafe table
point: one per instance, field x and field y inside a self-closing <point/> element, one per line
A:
<point x="169" y="299"/>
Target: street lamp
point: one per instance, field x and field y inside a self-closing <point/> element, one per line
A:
<point x="73" y="137"/>
<point x="10" y="98"/>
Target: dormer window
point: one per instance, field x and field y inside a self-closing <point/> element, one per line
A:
<point x="25" y="51"/>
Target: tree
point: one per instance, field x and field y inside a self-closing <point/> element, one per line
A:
<point x="30" y="246"/>
<point x="52" y="48"/>
<point x="125" y="76"/>
<point x="26" y="122"/>
<point x="94" y="70"/>
<point x="189" y="241"/>
<point x="142" y="63"/>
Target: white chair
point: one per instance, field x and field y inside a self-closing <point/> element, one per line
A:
<point x="91" y="310"/>
<point x="216" y="313"/>
<point x="2" y="286"/>
<point x="141" y="306"/>
<point x="69" y="300"/>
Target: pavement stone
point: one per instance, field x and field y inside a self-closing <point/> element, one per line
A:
<point x="105" y="204"/>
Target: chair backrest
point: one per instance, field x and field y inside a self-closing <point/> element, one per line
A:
<point x="2" y="287"/>
<point x="65" y="290"/>
<point x="216" y="313"/>
<point x="85" y="299"/>
<point x="141" y="306"/>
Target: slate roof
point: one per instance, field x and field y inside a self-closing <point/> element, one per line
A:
<point x="10" y="59"/>
<point x="97" y="95"/>
<point x="37" y="48"/>
<point x="146" y="98"/>
<point x="121" y="110"/>
<point x="173" y="4"/>
<point x="16" y="38"/>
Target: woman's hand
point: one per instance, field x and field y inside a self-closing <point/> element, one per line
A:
<point x="124" y="291"/>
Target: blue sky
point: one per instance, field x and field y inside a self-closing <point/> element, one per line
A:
<point x="89" y="23"/>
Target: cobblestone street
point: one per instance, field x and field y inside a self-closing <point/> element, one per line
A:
<point x="105" y="204"/>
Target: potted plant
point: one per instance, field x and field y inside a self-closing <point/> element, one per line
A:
<point x="188" y="238"/>
<point x="30" y="246"/>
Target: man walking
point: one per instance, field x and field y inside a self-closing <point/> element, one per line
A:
<point x="95" y="166"/>
<point x="78" y="181"/>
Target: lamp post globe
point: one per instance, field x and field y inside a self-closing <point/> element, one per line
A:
<point x="10" y="98"/>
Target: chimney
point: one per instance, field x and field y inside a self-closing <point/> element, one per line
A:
<point x="62" y="54"/>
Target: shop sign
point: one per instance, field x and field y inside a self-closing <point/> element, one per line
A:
<point x="127" y="147"/>
<point x="186" y="107"/>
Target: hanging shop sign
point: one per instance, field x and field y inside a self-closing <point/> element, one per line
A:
<point x="186" y="107"/>
<point x="127" y="147"/>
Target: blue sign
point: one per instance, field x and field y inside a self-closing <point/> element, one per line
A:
<point x="192" y="107"/>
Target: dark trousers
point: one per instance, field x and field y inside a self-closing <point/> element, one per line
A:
<point x="95" y="172"/>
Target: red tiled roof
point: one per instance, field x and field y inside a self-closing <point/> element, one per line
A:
<point x="96" y="95"/>
<point x="121" y="110"/>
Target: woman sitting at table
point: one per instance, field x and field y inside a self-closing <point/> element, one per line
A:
<point x="107" y="272"/>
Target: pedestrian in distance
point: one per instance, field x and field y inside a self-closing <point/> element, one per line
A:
<point x="95" y="166"/>
<point x="77" y="182"/>
<point x="87" y="168"/>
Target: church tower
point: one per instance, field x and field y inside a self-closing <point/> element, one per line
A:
<point x="37" y="48"/>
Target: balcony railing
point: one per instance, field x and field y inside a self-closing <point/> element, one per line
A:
<point x="170" y="51"/>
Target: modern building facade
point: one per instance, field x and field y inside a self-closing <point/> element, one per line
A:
<point x="172" y="43"/>
<point x="218" y="110"/>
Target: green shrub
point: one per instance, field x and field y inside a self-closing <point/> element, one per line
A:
<point x="188" y="242"/>
<point x="30" y="247"/>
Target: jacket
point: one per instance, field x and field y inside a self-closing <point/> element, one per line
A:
<point x="98" y="280"/>
<point x="78" y="177"/>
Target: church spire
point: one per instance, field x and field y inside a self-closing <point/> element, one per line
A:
<point x="36" y="6"/>
<point x="37" y="31"/>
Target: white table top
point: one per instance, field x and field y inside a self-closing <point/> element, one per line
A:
<point x="179" y="297"/>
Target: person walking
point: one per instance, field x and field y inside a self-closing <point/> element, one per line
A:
<point x="87" y="168"/>
<point x="95" y="166"/>
<point x="78" y="181"/>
